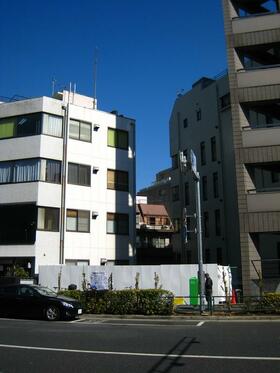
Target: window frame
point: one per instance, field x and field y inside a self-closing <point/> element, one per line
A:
<point x="80" y="123"/>
<point x="117" y="133"/>
<point x="76" y="230"/>
<point x="202" y="153"/>
<point x="117" y="221"/>
<point x="41" y="177"/>
<point x="122" y="187"/>
<point x="79" y="166"/>
<point x="58" y="219"/>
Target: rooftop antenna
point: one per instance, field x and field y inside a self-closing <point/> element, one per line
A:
<point x="94" y="77"/>
<point x="53" y="86"/>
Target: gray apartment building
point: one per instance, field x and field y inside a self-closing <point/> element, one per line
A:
<point x="201" y="121"/>
<point x="252" y="31"/>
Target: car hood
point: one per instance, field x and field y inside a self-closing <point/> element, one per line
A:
<point x="66" y="299"/>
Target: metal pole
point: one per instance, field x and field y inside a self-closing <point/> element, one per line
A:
<point x="199" y="243"/>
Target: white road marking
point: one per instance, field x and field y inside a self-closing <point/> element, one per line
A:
<point x="104" y="322"/>
<point x="200" y="323"/>
<point x="141" y="353"/>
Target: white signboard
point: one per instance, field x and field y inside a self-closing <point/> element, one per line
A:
<point x="99" y="280"/>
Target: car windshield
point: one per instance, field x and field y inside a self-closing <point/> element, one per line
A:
<point x="45" y="291"/>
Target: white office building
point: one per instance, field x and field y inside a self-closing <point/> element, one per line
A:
<point x="67" y="183"/>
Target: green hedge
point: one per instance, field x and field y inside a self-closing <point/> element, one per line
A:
<point x="124" y="302"/>
<point x="271" y="301"/>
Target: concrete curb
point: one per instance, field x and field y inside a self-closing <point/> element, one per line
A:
<point x="185" y="317"/>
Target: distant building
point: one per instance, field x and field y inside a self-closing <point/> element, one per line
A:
<point x="67" y="183"/>
<point x="154" y="232"/>
<point x="252" y="31"/>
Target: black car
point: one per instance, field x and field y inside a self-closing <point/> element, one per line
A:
<point x="36" y="301"/>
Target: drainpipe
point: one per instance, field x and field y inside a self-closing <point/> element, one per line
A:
<point x="64" y="179"/>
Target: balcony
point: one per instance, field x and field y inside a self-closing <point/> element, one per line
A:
<point x="254" y="137"/>
<point x="261" y="76"/>
<point x="263" y="201"/>
<point x="255" y="23"/>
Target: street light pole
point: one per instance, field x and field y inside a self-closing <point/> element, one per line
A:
<point x="199" y="241"/>
<point x="185" y="166"/>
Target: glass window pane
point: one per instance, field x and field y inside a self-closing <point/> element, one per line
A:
<point x="41" y="218"/>
<point x="84" y="175"/>
<point x="83" y="221"/>
<point x="123" y="139"/>
<point x="52" y="219"/>
<point x="111" y="179"/>
<point x="74" y="130"/>
<point x="111" y="226"/>
<point x="7" y="128"/>
<point x="53" y="171"/>
<point x="52" y="125"/>
<point x="122" y="180"/>
<point x="112" y="137"/>
<point x="29" y="124"/>
<point x="85" y="131"/>
<point x="122" y="224"/>
<point x="26" y="170"/>
<point x="73" y="172"/>
<point x="71" y="221"/>
<point x="6" y="172"/>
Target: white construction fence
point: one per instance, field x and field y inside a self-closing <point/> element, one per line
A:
<point x="173" y="277"/>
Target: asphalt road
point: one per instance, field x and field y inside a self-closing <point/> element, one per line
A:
<point x="132" y="346"/>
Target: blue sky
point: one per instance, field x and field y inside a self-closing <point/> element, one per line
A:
<point x="148" y="50"/>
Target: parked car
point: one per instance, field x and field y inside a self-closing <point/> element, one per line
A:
<point x="36" y="301"/>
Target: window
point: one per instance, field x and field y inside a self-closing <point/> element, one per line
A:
<point x="185" y="122"/>
<point x="23" y="125"/>
<point x="202" y="153"/>
<point x="152" y="220"/>
<point x="117" y="138"/>
<point x="215" y="185"/>
<point x="219" y="255"/>
<point x="48" y="219"/>
<point x="174" y="159"/>
<point x="52" y="125"/>
<point x="80" y="130"/>
<point x="175" y="193"/>
<point x="218" y="222"/>
<point x="204" y="188"/>
<point x="206" y="223"/>
<point x="213" y="149"/>
<point x="225" y="100"/>
<point x="77" y="221"/>
<point x="117" y="223"/>
<point x="78" y="174"/>
<point x="117" y="180"/>
<point x="28" y="170"/>
<point x="187" y="194"/>
<point x="198" y="114"/>
<point x="189" y="256"/>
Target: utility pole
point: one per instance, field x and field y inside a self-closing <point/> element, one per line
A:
<point x="187" y="165"/>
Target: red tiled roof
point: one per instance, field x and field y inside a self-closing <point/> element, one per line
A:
<point x="153" y="210"/>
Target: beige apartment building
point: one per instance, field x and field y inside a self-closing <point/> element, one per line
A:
<point x="252" y="29"/>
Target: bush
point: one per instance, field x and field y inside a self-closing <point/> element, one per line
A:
<point x="124" y="302"/>
<point x="271" y="302"/>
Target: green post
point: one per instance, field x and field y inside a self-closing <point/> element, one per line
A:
<point x="193" y="285"/>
